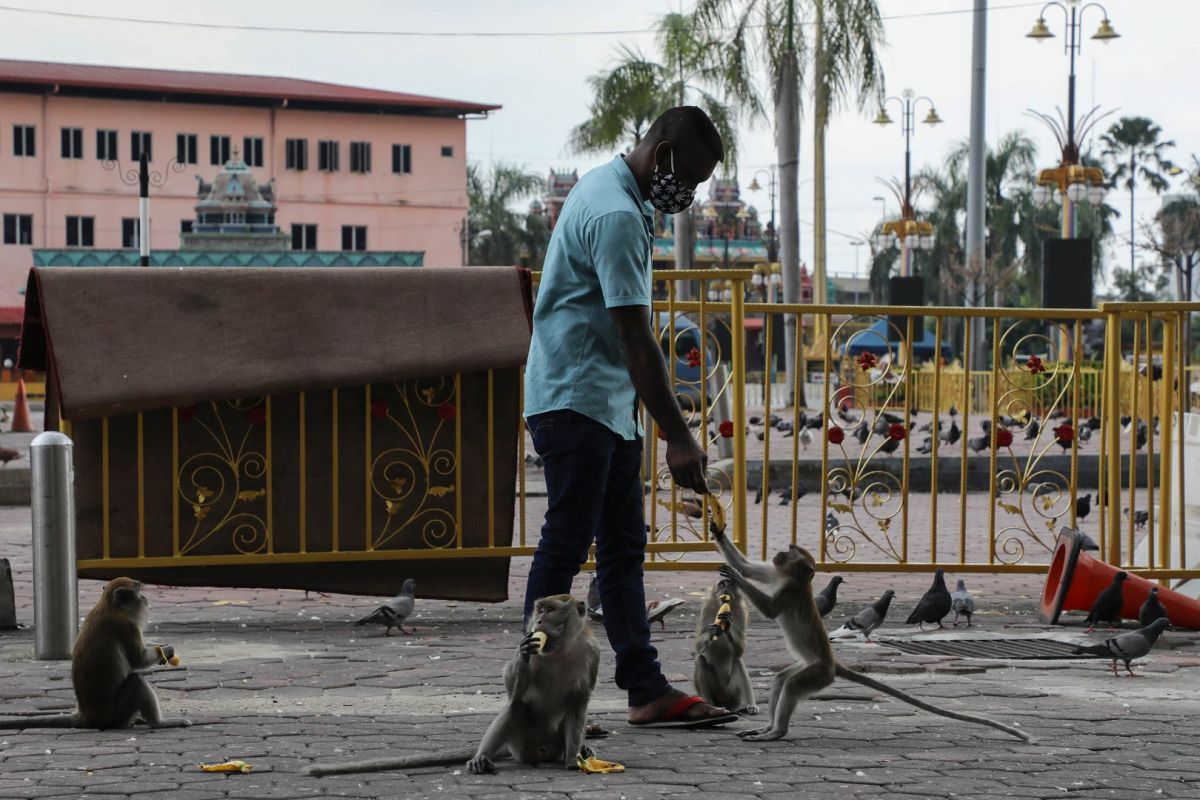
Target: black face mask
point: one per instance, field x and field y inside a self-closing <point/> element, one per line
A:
<point x="667" y="194"/>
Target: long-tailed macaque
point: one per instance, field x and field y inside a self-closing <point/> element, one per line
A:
<point x="549" y="683"/>
<point x="791" y="605"/>
<point x="720" y="675"/>
<point x="109" y="652"/>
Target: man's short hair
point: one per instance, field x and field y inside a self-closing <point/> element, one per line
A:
<point x="683" y="122"/>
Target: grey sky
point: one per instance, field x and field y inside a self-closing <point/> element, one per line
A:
<point x="540" y="80"/>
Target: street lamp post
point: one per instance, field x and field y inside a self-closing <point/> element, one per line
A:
<point x="143" y="177"/>
<point x="907" y="232"/>
<point x="772" y="233"/>
<point x="1070" y="183"/>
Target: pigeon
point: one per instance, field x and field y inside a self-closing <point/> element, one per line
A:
<point x="1140" y="517"/>
<point x="892" y="419"/>
<point x="951" y="436"/>
<point x="985" y="425"/>
<point x="933" y="605"/>
<point x="593" y="600"/>
<point x="1152" y="609"/>
<point x="869" y="618"/>
<point x="979" y="443"/>
<point x="1127" y="646"/>
<point x="1085" y="434"/>
<point x="962" y="603"/>
<point x="806" y="437"/>
<point x="1083" y="506"/>
<point x="657" y="610"/>
<point x="393" y="613"/>
<point x="827" y="599"/>
<point x="1093" y="423"/>
<point x="1142" y="434"/>
<point x="1107" y="606"/>
<point x="926" y="446"/>
<point x="785" y="497"/>
<point x="1031" y="432"/>
<point x="890" y="445"/>
<point x="862" y="432"/>
<point x="1125" y="422"/>
<point x="758" y="496"/>
<point x="7" y="454"/>
<point x="831" y="522"/>
<point x="953" y="412"/>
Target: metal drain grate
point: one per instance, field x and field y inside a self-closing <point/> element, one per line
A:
<point x="986" y="648"/>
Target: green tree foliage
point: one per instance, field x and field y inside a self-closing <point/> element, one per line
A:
<point x="499" y="235"/>
<point x="1136" y="153"/>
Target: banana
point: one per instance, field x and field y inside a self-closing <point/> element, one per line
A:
<point x="541" y="637"/>
<point x="717" y="512"/>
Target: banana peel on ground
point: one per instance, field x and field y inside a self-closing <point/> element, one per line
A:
<point x="597" y="766"/>
<point x="229" y="766"/>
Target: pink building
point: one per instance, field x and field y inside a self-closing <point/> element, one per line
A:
<point x="354" y="168"/>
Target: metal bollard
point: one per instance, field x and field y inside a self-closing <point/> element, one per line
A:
<point x="55" y="588"/>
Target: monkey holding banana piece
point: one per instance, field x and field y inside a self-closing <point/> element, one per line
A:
<point x="109" y="652"/>
<point x="549" y="683"/>
<point x="720" y="675"/>
<point x="791" y="605"/>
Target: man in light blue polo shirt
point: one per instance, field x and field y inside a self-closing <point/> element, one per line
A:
<point x="592" y="357"/>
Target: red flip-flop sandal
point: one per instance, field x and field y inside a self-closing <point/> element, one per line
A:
<point x="673" y="717"/>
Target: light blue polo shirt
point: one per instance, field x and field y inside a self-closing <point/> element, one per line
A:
<point x="598" y="258"/>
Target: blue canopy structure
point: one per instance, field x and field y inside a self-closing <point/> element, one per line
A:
<point x="875" y="340"/>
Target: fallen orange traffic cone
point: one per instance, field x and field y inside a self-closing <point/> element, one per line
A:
<point x="1075" y="579"/>
<point x="20" y="420"/>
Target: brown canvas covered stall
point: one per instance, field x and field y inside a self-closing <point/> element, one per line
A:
<point x="287" y="428"/>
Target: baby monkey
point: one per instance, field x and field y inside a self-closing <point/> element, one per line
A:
<point x="549" y="683"/>
<point x="791" y="605"/>
<point x="720" y="675"/>
<point x="107" y="665"/>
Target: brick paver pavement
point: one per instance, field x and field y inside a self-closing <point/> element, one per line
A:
<point x="278" y="680"/>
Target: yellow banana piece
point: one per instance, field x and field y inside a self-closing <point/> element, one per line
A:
<point x="228" y="766"/>
<point x="541" y="637"/>
<point x="716" y="511"/>
<point x="724" y="609"/>
<point x="596" y="766"/>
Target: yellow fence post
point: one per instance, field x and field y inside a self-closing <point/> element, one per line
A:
<point x="1112" y="421"/>
<point x="1164" y="470"/>
<point x="738" y="356"/>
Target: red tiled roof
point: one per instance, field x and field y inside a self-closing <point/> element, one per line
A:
<point x="219" y="84"/>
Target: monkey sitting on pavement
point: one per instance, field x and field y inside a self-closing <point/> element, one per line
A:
<point x="791" y="605"/>
<point x="106" y="667"/>
<point x="549" y="683"/>
<point x="720" y="675"/>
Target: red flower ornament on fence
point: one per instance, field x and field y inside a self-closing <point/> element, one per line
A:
<point x="693" y="358"/>
<point x="726" y="429"/>
<point x="257" y="415"/>
<point x="1064" y="433"/>
<point x="835" y="435"/>
<point x="1004" y="438"/>
<point x="447" y="412"/>
<point x="866" y="360"/>
<point x="1035" y="365"/>
<point x="379" y="409"/>
<point x="896" y="432"/>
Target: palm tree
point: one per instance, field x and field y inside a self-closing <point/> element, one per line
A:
<point x="844" y="59"/>
<point x="496" y="234"/>
<point x="627" y="98"/>
<point x="1134" y="150"/>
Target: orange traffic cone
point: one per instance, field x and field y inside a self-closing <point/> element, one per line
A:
<point x="1075" y="579"/>
<point x="20" y="420"/>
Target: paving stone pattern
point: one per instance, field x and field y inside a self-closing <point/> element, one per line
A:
<point x="279" y="680"/>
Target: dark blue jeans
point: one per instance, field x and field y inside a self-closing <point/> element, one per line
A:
<point x="594" y="492"/>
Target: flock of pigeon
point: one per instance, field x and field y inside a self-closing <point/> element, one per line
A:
<point x="932" y="608"/>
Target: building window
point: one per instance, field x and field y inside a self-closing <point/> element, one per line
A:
<point x="447" y="151"/>
<point x="252" y="151"/>
<point x="129" y="232"/>
<point x="296" y="155"/>
<point x="360" y="157"/>
<point x="106" y="145"/>
<point x="402" y="159"/>
<point x="81" y="231"/>
<point x="185" y="226"/>
<point x="18" y="229"/>
<point x="304" y="237"/>
<point x="354" y="237"/>
<point x="72" y="142"/>
<point x="186" y="148"/>
<point x="327" y="156"/>
<point x="218" y="150"/>
<point x="23" y="140"/>
<point x="140" y="142"/>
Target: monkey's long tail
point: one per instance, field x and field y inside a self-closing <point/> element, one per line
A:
<point x="383" y="764"/>
<point x="900" y="694"/>
<point x="39" y="721"/>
